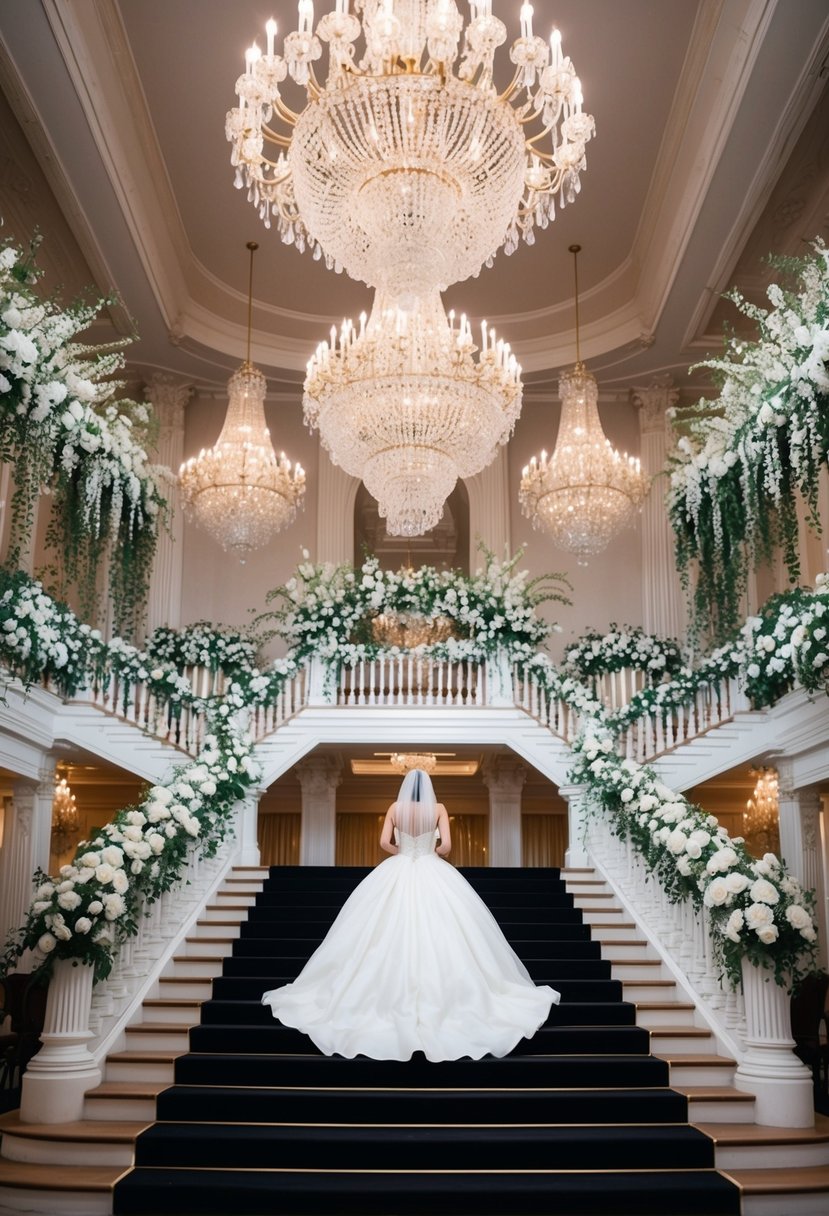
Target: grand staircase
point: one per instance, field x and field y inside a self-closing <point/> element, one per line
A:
<point x="580" y="1119"/>
<point x="56" y="1169"/>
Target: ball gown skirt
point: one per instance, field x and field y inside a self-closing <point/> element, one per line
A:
<point x="414" y="961"/>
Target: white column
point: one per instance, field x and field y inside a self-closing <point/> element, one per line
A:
<point x="168" y="398"/>
<point x="319" y="777"/>
<point x="576" y="855"/>
<point x="58" y="1077"/>
<point x="663" y="601"/>
<point x="769" y="1069"/>
<point x="800" y="842"/>
<point x="247" y="828"/>
<point x="504" y="777"/>
<point x="489" y="508"/>
<point x="28" y="831"/>
<point x="336" y="492"/>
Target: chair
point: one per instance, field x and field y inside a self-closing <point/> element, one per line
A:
<point x="23" y="1002"/>
<point x="810" y="1029"/>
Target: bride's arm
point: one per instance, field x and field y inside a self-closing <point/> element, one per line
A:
<point x="445" y="846"/>
<point x="387" y="835"/>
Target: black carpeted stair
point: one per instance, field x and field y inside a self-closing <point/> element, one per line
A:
<point x="578" y="1120"/>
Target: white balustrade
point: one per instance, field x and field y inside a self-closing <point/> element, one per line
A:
<point x="667" y="727"/>
<point x="411" y="679"/>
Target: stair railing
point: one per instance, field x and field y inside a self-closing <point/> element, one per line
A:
<point x="751" y="1024"/>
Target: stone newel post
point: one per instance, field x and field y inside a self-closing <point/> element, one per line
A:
<point x="780" y="1082"/>
<point x="60" y="1074"/>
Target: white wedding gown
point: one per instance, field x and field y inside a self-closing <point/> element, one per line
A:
<point x="415" y="961"/>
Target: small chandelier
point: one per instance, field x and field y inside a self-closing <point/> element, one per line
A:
<point x="586" y="491"/>
<point x="66" y="820"/>
<point x="408" y="169"/>
<point x="762" y="814"/>
<point x="402" y="403"/>
<point x="404" y="762"/>
<point x="238" y="490"/>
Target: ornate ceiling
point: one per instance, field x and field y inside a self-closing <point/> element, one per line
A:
<point x="711" y="151"/>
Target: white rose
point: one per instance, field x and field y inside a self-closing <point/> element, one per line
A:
<point x="114" y="906"/>
<point x="798" y="917"/>
<point x="69" y="900"/>
<point x="762" y="892"/>
<point x="47" y="943"/>
<point x="736" y="882"/>
<point x="120" y="881"/>
<point x="768" y="934"/>
<point x="716" y="893"/>
<point x="156" y="842"/>
<point x="112" y="856"/>
<point x="62" y="931"/>
<point x="692" y="848"/>
<point x="735" y="923"/>
<point x="104" y="873"/>
<point x="684" y="867"/>
<point x="677" y="841"/>
<point x="83" y="924"/>
<point x="758" y="915"/>
<point x="90" y="860"/>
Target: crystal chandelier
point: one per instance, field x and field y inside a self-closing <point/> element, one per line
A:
<point x="238" y="490"/>
<point x="586" y="491"/>
<point x="404" y="762"/>
<point x="408" y="168"/>
<point x="762" y="813"/>
<point x="402" y="402"/>
<point x="66" y="820"/>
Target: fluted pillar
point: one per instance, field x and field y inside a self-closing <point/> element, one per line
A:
<point x="504" y="777"/>
<point x="319" y="777"/>
<point x="800" y="842"/>
<point x="168" y="398"/>
<point x="769" y="1069"/>
<point x="336" y="492"/>
<point x="28" y="830"/>
<point x="59" y="1076"/>
<point x="663" y="601"/>
<point x="489" y="508"/>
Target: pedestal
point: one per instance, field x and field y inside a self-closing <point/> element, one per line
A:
<point x="780" y="1082"/>
<point x="60" y="1074"/>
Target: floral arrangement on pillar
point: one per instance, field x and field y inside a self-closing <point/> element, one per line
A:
<point x="64" y="431"/>
<point x="758" y="910"/>
<point x="743" y="459"/>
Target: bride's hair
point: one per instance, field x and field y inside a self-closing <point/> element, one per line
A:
<point x="416" y="810"/>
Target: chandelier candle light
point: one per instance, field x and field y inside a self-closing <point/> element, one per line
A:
<point x="408" y="168"/>
<point x="238" y="490"/>
<point x="586" y="491"/>
<point x="66" y="820"/>
<point x="404" y="762"/>
<point x="401" y="402"/>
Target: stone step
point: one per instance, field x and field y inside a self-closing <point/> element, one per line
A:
<point x="87" y="1142"/>
<point x="85" y="1190"/>
<point x="185" y="987"/>
<point x="141" y="1066"/>
<point x="612" y="931"/>
<point x="663" y="1013"/>
<point x="716" y="1103"/>
<point x="182" y="1011"/>
<point x="208" y="946"/>
<point x="628" y="948"/>
<point x="697" y="1068"/>
<point x="184" y="966"/>
<point x="650" y="989"/>
<point x="158" y="1036"/>
<point x="749" y="1146"/>
<point x="626" y="968"/>
<point x="123" y="1100"/>
<point x="795" y="1191"/>
<point x="226" y="913"/>
<point x="681" y="1038"/>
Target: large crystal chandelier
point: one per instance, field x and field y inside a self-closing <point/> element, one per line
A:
<point x="586" y="491"/>
<point x="762" y="814"/>
<point x="402" y="402"/>
<point x="404" y="762"/>
<point x="238" y="490"/>
<point x="408" y="168"/>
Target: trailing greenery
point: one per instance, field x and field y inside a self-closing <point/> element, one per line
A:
<point x="65" y="434"/>
<point x="743" y="460"/>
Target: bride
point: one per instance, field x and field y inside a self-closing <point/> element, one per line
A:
<point x="414" y="961"/>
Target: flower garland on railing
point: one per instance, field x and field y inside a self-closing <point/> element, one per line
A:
<point x="93" y="905"/>
<point x="625" y="646"/>
<point x="785" y="645"/>
<point x="61" y="430"/>
<point x="742" y="460"/>
<point x="758" y="910"/>
<point x="327" y="610"/>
